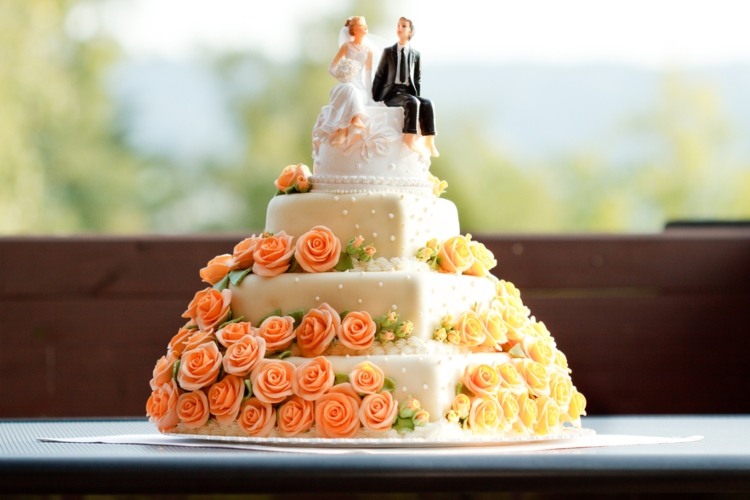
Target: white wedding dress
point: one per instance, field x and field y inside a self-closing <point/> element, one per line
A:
<point x="350" y="97"/>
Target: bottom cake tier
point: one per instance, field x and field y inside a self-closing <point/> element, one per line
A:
<point x="387" y="396"/>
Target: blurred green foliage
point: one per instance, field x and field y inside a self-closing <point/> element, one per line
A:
<point x="65" y="168"/>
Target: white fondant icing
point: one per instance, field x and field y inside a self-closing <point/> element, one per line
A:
<point x="352" y="216"/>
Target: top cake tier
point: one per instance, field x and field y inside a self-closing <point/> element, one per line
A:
<point x="370" y="159"/>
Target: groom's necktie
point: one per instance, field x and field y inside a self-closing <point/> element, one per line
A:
<point x="402" y="68"/>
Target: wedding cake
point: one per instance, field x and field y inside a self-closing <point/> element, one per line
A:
<point x="361" y="312"/>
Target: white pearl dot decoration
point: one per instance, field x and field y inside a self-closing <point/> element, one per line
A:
<point x="354" y="199"/>
<point x="341" y="286"/>
<point x="374" y="235"/>
<point x="425" y="387"/>
<point x="359" y="301"/>
<point x="317" y="298"/>
<point x="345" y="212"/>
<point x="372" y="211"/>
<point x="404" y="389"/>
<point x="394" y="307"/>
<point x="356" y="226"/>
<point x="403" y="370"/>
<point x="335" y="198"/>
<point x="296" y="280"/>
<point x="393" y="238"/>
<point x="391" y="216"/>
<point x="380" y="284"/>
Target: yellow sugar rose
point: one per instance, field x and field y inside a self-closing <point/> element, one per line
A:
<point x="454" y="255"/>
<point x="535" y="375"/>
<point x="461" y="405"/>
<point x="527" y="413"/>
<point x="495" y="329"/>
<point x="509" y="405"/>
<point x="539" y="330"/>
<point x="562" y="361"/>
<point x="471" y="329"/>
<point x="485" y="416"/>
<point x="560" y="389"/>
<point x="511" y="379"/>
<point x="484" y="260"/>
<point x="577" y="405"/>
<point x="548" y="416"/>
<point x="539" y="350"/>
<point x="515" y="322"/>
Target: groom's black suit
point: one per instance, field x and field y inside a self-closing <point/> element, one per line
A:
<point x="385" y="89"/>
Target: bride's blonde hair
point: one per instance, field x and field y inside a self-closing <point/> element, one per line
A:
<point x="353" y="21"/>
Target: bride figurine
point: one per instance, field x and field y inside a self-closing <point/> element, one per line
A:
<point x="352" y="67"/>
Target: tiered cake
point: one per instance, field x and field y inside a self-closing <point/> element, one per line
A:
<point x="361" y="311"/>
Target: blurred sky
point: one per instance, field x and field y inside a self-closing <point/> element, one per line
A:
<point x="649" y="33"/>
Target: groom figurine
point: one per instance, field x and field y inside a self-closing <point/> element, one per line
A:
<point x="397" y="82"/>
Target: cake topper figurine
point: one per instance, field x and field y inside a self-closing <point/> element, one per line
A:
<point x="352" y="67"/>
<point x="398" y="83"/>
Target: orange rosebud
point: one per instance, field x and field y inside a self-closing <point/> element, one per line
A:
<point x="278" y="331"/>
<point x="317" y="330"/>
<point x="163" y="370"/>
<point x="357" y="330"/>
<point x="233" y="332"/>
<point x="216" y="269"/>
<point x="295" y="416"/>
<point x="272" y="380"/>
<point x="225" y="397"/>
<point x="242" y="255"/>
<point x="337" y="413"/>
<point x="367" y="378"/>
<point x="455" y="256"/>
<point x="199" y="367"/>
<point x="378" y="411"/>
<point x="318" y="250"/>
<point x="242" y="356"/>
<point x="313" y="378"/>
<point x="294" y="176"/>
<point x="256" y="417"/>
<point x="161" y="407"/>
<point x="209" y="308"/>
<point x="273" y="255"/>
<point x="193" y="409"/>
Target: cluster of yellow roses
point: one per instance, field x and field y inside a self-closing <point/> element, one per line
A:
<point x="458" y="255"/>
<point x="518" y="395"/>
<point x="316" y="251"/>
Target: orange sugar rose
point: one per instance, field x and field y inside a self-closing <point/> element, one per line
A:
<point x="161" y="407"/>
<point x="378" y="411"/>
<point x="216" y="269"/>
<point x="295" y="416"/>
<point x="163" y="370"/>
<point x="318" y="250"/>
<point x="242" y="255"/>
<point x="317" y="330"/>
<point x="177" y="343"/>
<point x="337" y="413"/>
<point x="256" y="417"/>
<point x="357" y="330"/>
<point x="278" y="332"/>
<point x="199" y="367"/>
<point x="233" y="332"/>
<point x="313" y="378"/>
<point x="482" y="380"/>
<point x="209" y="308"/>
<point x="272" y="380"/>
<point x="199" y="337"/>
<point x="367" y="378"/>
<point x="193" y="409"/>
<point x="225" y="397"/>
<point x="273" y="254"/>
<point x="242" y="356"/>
<point x="455" y="256"/>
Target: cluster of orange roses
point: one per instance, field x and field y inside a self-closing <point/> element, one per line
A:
<point x="458" y="255"/>
<point x="521" y="395"/>
<point x="316" y="251"/>
<point x="276" y="394"/>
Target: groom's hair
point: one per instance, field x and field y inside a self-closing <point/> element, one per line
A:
<point x="411" y="26"/>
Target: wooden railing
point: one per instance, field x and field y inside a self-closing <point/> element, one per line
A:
<point x="649" y="323"/>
